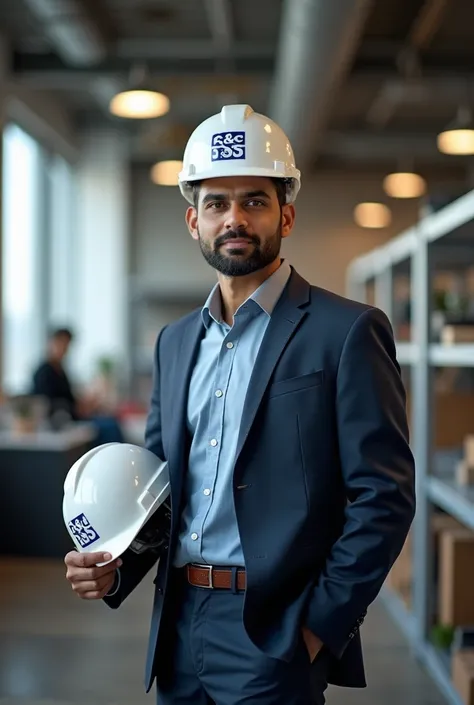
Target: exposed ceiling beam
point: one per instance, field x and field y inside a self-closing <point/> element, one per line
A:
<point x="219" y="13"/>
<point x="29" y="67"/>
<point x="420" y="36"/>
<point x="318" y="41"/>
<point x="379" y="49"/>
<point x="445" y="87"/>
<point x="378" y="169"/>
<point x="433" y="65"/>
<point x="427" y="24"/>
<point x="435" y="90"/>
<point x="149" y="49"/>
<point x="66" y="80"/>
<point x="71" y="31"/>
<point x="361" y="146"/>
<point x="103" y="89"/>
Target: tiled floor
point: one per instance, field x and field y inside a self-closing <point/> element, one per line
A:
<point x="57" y="650"/>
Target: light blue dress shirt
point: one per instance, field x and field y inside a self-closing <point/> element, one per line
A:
<point x="209" y="533"/>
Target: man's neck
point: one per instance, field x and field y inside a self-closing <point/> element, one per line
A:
<point x="236" y="290"/>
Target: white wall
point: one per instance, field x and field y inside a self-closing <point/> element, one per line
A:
<point x="324" y="241"/>
<point x="163" y="255"/>
<point x="102" y="247"/>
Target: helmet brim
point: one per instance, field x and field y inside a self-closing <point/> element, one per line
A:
<point x="187" y="180"/>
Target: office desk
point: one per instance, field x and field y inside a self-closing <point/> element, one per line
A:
<point x="33" y="468"/>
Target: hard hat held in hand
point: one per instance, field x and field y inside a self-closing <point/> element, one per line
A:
<point x="110" y="493"/>
<point x="239" y="142"/>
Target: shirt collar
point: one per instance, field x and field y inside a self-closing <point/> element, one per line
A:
<point x="266" y="296"/>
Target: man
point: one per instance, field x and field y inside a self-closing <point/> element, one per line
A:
<point x="51" y="381"/>
<point x="280" y="409"/>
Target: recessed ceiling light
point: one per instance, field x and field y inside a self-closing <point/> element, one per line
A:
<point x="404" y="184"/>
<point x="166" y="173"/>
<point x="372" y="215"/>
<point x="139" y="104"/>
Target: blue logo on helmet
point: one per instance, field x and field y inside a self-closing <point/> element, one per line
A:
<point x="227" y="146"/>
<point x="82" y="531"/>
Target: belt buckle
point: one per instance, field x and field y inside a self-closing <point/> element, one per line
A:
<point x="209" y="569"/>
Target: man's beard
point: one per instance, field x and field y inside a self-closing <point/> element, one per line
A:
<point x="235" y="265"/>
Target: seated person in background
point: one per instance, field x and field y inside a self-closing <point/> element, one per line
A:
<point x="51" y="382"/>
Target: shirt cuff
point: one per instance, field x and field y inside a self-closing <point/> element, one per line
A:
<point x="115" y="587"/>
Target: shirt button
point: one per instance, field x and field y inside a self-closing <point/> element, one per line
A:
<point x="194" y="537"/>
<point x="213" y="443"/>
<point x="230" y="345"/>
<point x="219" y="393"/>
<point x="207" y="492"/>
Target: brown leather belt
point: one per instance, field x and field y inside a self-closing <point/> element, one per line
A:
<point x="206" y="576"/>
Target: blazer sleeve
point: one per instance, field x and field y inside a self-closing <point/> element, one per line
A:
<point x="136" y="566"/>
<point x="379" y="476"/>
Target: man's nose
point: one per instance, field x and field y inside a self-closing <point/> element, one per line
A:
<point x="236" y="218"/>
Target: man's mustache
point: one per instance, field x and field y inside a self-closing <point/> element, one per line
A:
<point x="236" y="235"/>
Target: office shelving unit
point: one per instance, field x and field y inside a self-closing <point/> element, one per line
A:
<point x="443" y="239"/>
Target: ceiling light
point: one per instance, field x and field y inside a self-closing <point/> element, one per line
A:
<point x="404" y="184"/>
<point x="140" y="101"/>
<point x="456" y="141"/>
<point x="459" y="137"/>
<point x="139" y="104"/>
<point x="372" y="215"/>
<point x="166" y="173"/>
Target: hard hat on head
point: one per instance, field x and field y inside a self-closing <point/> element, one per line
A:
<point x="238" y="142"/>
<point x="110" y="494"/>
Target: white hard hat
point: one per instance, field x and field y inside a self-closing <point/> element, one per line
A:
<point x="110" y="493"/>
<point x="239" y="142"/>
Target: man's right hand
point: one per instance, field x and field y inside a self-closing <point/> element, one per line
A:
<point x="87" y="579"/>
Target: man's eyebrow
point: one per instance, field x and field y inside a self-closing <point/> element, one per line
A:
<point x="214" y="197"/>
<point x="222" y="196"/>
<point x="257" y="194"/>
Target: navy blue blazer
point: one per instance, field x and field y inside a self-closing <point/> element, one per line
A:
<point x="324" y="481"/>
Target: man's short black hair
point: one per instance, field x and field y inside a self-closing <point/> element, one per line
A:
<point x="280" y="187"/>
<point x="56" y="333"/>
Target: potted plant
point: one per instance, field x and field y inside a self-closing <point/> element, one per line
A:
<point x="24" y="419"/>
<point x="442" y="636"/>
<point x="105" y="386"/>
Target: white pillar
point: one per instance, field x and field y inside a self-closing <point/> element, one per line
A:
<point x="102" y="251"/>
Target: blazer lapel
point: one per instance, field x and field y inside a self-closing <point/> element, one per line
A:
<point x="178" y="442"/>
<point x="285" y="319"/>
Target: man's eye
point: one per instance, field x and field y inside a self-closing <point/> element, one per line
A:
<point x="254" y="203"/>
<point x="216" y="205"/>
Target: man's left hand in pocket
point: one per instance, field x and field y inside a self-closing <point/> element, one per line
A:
<point x="313" y="643"/>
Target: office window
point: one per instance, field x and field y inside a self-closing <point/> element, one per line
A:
<point x="22" y="261"/>
<point x="62" y="256"/>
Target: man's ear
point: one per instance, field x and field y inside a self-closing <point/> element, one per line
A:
<point x="192" y="222"/>
<point x="288" y="215"/>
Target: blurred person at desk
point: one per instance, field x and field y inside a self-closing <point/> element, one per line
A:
<point x="51" y="382"/>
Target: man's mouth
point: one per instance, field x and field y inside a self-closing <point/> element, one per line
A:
<point x="238" y="242"/>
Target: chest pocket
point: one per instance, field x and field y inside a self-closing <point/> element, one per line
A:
<point x="296" y="384"/>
